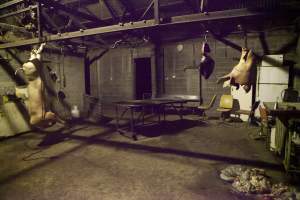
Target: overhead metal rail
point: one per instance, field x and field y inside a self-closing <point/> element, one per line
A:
<point x="10" y="3"/>
<point x="18" y="11"/>
<point x="145" y="24"/>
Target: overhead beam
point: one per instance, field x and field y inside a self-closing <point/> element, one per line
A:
<point x="185" y="19"/>
<point x="10" y="70"/>
<point x="50" y="21"/>
<point x="92" y="60"/>
<point x="203" y="5"/>
<point x="129" y="7"/>
<point x="71" y="11"/>
<point x="14" y="56"/>
<point x="18" y="12"/>
<point x="217" y="15"/>
<point x="147" y="10"/>
<point x="112" y="12"/>
<point x="82" y="33"/>
<point x="10" y="3"/>
<point x="156" y="11"/>
<point x="13" y="28"/>
<point x="191" y="5"/>
<point x="39" y="20"/>
<point x="75" y="2"/>
<point x="74" y="18"/>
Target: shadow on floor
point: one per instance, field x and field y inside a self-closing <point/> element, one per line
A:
<point x="97" y="139"/>
<point x="57" y="136"/>
<point x="168" y="127"/>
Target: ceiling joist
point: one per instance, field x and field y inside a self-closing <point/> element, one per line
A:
<point x="129" y="8"/>
<point x="18" y="12"/>
<point x="71" y="11"/>
<point x="10" y="3"/>
<point x="191" y="5"/>
<point x="50" y="21"/>
<point x="147" y="10"/>
<point x="144" y="24"/>
<point x="111" y="11"/>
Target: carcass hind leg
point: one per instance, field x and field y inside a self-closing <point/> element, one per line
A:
<point x="233" y="83"/>
<point x="223" y="78"/>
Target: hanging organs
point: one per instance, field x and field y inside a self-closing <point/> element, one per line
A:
<point x="207" y="63"/>
<point x="243" y="73"/>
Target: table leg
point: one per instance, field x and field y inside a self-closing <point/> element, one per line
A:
<point x="143" y="115"/>
<point x="132" y="123"/>
<point x="158" y="112"/>
<point x="181" y="110"/>
<point x="117" y="117"/>
<point x="164" y="112"/>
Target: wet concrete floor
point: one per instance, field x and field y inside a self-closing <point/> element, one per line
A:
<point x="180" y="160"/>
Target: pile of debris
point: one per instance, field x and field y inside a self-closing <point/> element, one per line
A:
<point x="255" y="181"/>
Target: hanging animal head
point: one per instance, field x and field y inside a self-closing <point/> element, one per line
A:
<point x="32" y="69"/>
<point x="29" y="68"/>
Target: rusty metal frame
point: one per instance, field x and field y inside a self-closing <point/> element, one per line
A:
<point x="50" y="21"/>
<point x="147" y="10"/>
<point x="18" y="12"/>
<point x="10" y="3"/>
<point x="191" y="5"/>
<point x="111" y="10"/>
<point x="129" y="8"/>
<point x="156" y="11"/>
<point x="144" y="24"/>
<point x="70" y="10"/>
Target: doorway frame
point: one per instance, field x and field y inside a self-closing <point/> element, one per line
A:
<point x="144" y="52"/>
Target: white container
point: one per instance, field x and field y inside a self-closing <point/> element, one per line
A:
<point x="272" y="141"/>
<point x="75" y="112"/>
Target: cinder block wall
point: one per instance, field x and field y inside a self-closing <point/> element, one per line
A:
<point x="112" y="78"/>
<point x="225" y="58"/>
<point x="70" y="71"/>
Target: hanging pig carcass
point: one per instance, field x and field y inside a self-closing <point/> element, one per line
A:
<point x="40" y="114"/>
<point x="243" y="73"/>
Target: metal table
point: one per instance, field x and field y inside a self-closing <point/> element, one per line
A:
<point x="285" y="112"/>
<point x="286" y="115"/>
<point x="140" y="106"/>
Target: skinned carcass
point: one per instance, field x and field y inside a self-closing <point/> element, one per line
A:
<point x="242" y="74"/>
<point x="39" y="95"/>
<point x="40" y="115"/>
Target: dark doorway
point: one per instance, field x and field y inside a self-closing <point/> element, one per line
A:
<point x="143" y="86"/>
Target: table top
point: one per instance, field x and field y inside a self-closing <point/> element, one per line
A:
<point x="284" y="109"/>
<point x="148" y="102"/>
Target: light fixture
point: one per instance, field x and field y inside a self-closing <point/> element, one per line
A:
<point x="179" y="47"/>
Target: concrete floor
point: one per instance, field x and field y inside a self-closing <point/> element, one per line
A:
<point x="180" y="161"/>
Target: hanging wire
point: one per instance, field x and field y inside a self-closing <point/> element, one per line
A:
<point x="205" y="35"/>
<point x="116" y="44"/>
<point x="174" y="64"/>
<point x="246" y="39"/>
